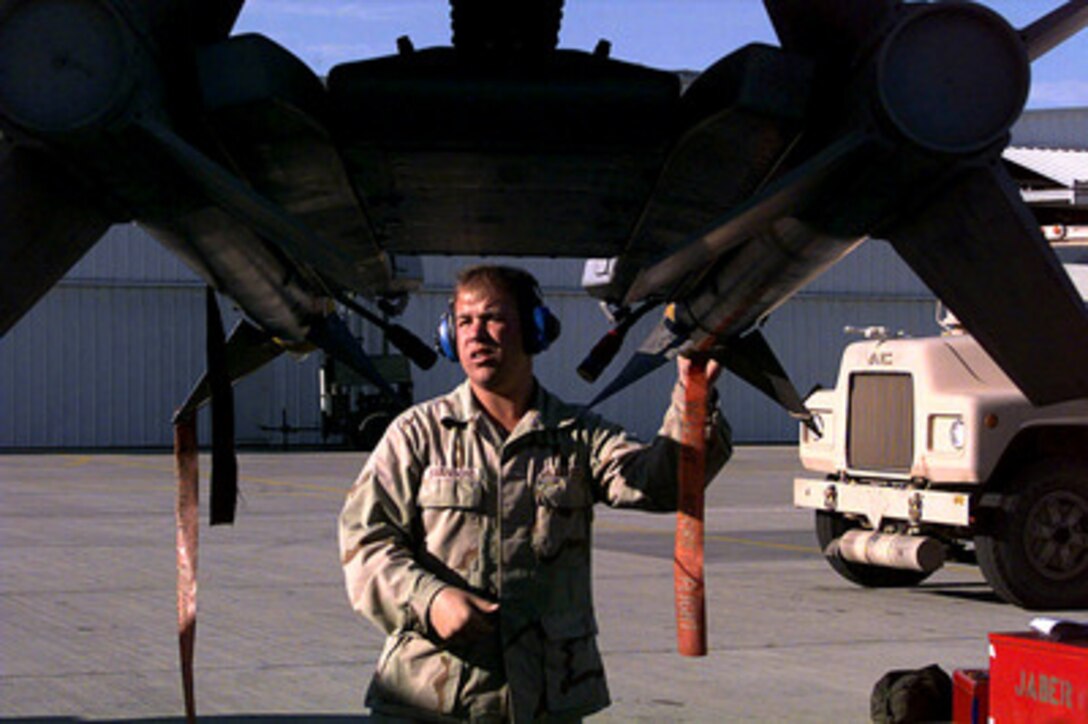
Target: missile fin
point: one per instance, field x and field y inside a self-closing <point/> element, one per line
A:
<point x="829" y="30"/>
<point x="213" y="19"/>
<point x="659" y="347"/>
<point x="640" y="365"/>
<point x="248" y="349"/>
<point x="982" y="253"/>
<point x="751" y="358"/>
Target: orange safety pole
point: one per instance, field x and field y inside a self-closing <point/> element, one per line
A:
<point x="688" y="577"/>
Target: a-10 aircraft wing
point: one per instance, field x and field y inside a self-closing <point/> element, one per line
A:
<point x="288" y="192"/>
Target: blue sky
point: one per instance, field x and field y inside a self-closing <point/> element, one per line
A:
<point x="673" y="34"/>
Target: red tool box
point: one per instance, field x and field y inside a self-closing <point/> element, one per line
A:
<point x="970" y="696"/>
<point x="1037" y="679"/>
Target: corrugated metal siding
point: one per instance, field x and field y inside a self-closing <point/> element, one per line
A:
<point x="127" y="254"/>
<point x="873" y="271"/>
<point x="1052" y="128"/>
<point x="285" y="388"/>
<point x="105" y="357"/>
<point x="100" y="367"/>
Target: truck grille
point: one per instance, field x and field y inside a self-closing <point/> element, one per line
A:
<point x="881" y="422"/>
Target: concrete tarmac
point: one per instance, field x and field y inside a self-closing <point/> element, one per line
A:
<point x="88" y="621"/>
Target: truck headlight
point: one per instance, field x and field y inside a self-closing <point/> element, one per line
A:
<point x="947" y="433"/>
<point x="957" y="433"/>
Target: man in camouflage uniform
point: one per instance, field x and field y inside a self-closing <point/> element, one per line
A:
<point x="467" y="535"/>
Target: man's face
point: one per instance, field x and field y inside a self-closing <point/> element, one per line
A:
<point x="489" y="343"/>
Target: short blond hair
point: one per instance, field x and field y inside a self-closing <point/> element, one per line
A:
<point x="518" y="283"/>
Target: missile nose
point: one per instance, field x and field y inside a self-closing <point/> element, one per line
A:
<point x="68" y="65"/>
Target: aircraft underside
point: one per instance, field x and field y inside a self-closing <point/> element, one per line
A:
<point x="715" y="202"/>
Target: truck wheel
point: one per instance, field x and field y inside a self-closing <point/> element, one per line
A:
<point x="830" y="526"/>
<point x="1035" y="550"/>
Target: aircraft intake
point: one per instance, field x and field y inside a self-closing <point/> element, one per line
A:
<point x="70" y="66"/>
<point x="933" y="90"/>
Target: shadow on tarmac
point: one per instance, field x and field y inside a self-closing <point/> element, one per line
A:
<point x="968" y="591"/>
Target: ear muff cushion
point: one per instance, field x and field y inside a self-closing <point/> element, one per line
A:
<point x="544" y="331"/>
<point x="444" y="337"/>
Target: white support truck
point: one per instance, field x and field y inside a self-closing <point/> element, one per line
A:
<point x="927" y="451"/>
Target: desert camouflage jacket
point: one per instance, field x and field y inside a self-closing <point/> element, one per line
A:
<point x="447" y="499"/>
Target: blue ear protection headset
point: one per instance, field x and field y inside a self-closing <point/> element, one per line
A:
<point x="538" y="331"/>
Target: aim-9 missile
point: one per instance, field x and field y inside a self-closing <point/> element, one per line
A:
<point x="902" y="141"/>
<point x="719" y="317"/>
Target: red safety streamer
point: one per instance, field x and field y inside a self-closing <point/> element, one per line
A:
<point x="688" y="566"/>
<point x="187" y="516"/>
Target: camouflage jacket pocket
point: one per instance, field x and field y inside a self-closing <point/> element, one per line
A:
<point x="573" y="672"/>
<point x="452" y="505"/>
<point x="445" y="487"/>
<point x="413" y="672"/>
<point x="564" y="510"/>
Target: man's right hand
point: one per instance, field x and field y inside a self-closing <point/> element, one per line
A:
<point x="459" y="614"/>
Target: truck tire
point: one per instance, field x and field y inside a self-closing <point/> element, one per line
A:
<point x="830" y="526"/>
<point x="1034" y="550"/>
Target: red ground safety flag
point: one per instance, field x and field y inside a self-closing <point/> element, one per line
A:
<point x="185" y="456"/>
<point x="688" y="557"/>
